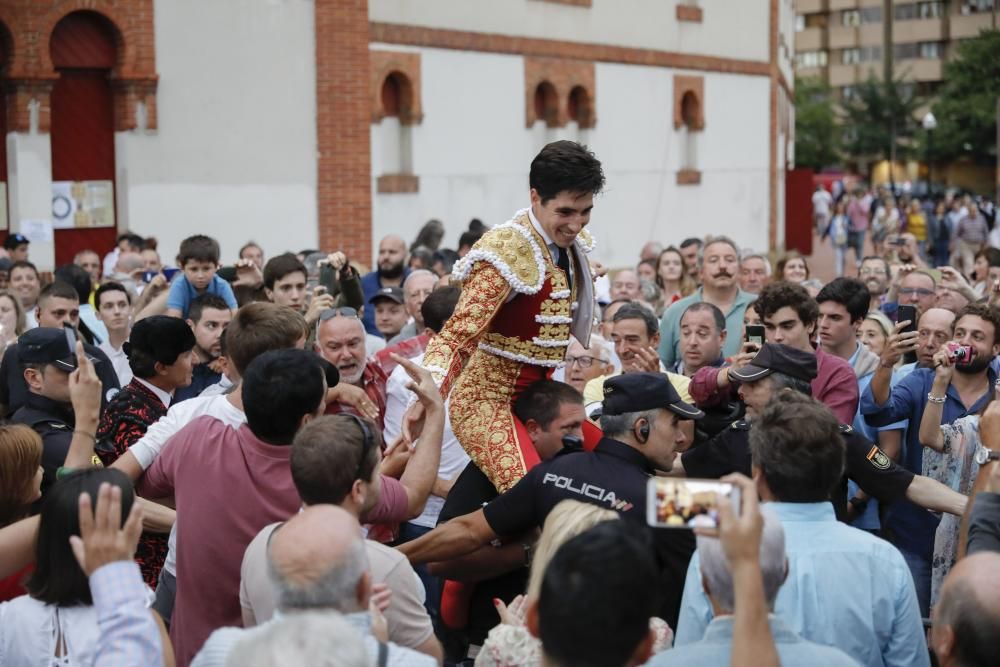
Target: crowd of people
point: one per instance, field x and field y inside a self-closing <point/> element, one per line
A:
<point x="447" y="459"/>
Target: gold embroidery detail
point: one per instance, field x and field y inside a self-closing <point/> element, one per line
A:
<point x="553" y="332"/>
<point x="525" y="348"/>
<point x="556" y="307"/>
<point x="480" y="411"/>
<point x="514" y="250"/>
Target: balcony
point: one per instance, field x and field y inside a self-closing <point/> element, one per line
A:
<point x="969" y="26"/>
<point x="808" y="6"/>
<point x="918" y="69"/>
<point x="918" y="30"/>
<point x="810" y="39"/>
<point x="842" y="37"/>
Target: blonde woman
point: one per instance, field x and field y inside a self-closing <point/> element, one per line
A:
<point x="12" y="319"/>
<point x="874" y="331"/>
<point x="510" y="644"/>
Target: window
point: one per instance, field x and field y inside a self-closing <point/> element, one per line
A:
<point x="817" y="20"/>
<point x="974" y="6"/>
<point x="547" y="104"/>
<point x="905" y="12"/>
<point x="865" y="54"/>
<point x="930" y="10"/>
<point x="870" y="54"/>
<point x="850" y="18"/>
<point x="931" y="50"/>
<point x="848" y="93"/>
<point x="871" y="15"/>
<point x="811" y="59"/>
<point x="800" y="22"/>
<point x="850" y="56"/>
<point x="905" y="51"/>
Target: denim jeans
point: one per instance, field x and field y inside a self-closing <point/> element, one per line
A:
<point x="920" y="568"/>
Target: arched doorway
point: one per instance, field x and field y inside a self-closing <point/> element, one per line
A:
<point x="84" y="47"/>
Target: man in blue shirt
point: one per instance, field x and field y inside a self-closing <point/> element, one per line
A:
<point x="391" y="272"/>
<point x="845" y="587"/>
<point x="909" y="527"/>
<point x="717" y="579"/>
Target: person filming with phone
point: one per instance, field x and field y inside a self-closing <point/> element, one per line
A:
<point x="977" y="339"/>
<point x="641" y="418"/>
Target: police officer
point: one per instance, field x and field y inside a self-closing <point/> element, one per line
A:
<point x="778" y="367"/>
<point x="641" y="414"/>
<point x="59" y="407"/>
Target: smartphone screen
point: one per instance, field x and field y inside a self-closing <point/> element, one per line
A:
<point x="687" y="503"/>
<point x="907" y="313"/>
<point x="70" y="338"/>
<point x="755" y="333"/>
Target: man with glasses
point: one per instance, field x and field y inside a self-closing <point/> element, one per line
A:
<point x="583" y="364"/>
<point x="340" y="339"/>
<point x="914" y="288"/>
<point x="874" y="273"/>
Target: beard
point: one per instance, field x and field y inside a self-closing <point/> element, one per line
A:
<point x="390" y="271"/>
<point x="976" y="365"/>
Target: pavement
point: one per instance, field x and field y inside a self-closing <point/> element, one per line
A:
<point x="821" y="261"/>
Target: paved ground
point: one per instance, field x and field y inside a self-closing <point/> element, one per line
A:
<point x="821" y="261"/>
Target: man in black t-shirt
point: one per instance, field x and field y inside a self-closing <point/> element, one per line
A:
<point x="550" y="411"/>
<point x="641" y="415"/>
<point x="780" y="367"/>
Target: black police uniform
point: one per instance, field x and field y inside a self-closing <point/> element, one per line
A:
<point x="865" y="463"/>
<point x="613" y="476"/>
<point x="54" y="422"/>
<point x="14" y="389"/>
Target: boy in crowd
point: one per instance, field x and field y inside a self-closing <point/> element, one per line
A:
<point x="199" y="260"/>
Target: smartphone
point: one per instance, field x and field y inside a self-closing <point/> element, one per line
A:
<point x="904" y="313"/>
<point x="897" y="242"/>
<point x="70" y="338"/>
<point x="688" y="503"/>
<point x="170" y="273"/>
<point x="328" y="277"/>
<point x="147" y="276"/>
<point x="755" y="333"/>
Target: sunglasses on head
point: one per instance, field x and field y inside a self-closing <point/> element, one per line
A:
<point x="330" y="313"/>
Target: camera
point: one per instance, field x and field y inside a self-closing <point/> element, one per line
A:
<point x="960" y="355"/>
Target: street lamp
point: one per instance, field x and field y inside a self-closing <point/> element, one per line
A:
<point x="930" y="123"/>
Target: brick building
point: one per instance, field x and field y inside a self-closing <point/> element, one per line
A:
<point x="330" y="123"/>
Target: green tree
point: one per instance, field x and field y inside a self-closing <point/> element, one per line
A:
<point x="966" y="106"/>
<point x="880" y="121"/>
<point x="816" y="135"/>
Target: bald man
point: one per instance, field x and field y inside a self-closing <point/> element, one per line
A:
<point x="625" y="285"/>
<point x="318" y="561"/>
<point x="391" y="271"/>
<point x="967" y="616"/>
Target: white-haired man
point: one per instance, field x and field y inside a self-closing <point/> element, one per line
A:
<point x="717" y="582"/>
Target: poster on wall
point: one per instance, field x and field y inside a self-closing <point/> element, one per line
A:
<point x="83" y="204"/>
<point x="3" y="207"/>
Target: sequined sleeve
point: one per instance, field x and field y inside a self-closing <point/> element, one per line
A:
<point x="484" y="291"/>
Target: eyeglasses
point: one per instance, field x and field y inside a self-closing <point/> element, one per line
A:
<point x="584" y="361"/>
<point x="919" y="291"/>
<point x="331" y="313"/>
<point x="367" y="440"/>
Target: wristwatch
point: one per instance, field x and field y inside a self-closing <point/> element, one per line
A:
<point x="985" y="455"/>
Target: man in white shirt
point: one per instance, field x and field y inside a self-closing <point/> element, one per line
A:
<point x="114" y="309"/>
<point x="822" y="201"/>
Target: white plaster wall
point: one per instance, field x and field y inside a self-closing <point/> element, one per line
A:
<point x="234" y="155"/>
<point x="472" y="152"/>
<point x="730" y="28"/>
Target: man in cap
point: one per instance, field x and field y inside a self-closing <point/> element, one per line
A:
<point x="56" y="405"/>
<point x="160" y="353"/>
<point x="780" y="367"/>
<point x="641" y="417"/>
<point x="16" y="246"/>
<point x="390" y="311"/>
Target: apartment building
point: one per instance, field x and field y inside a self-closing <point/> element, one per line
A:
<point x="842" y="41"/>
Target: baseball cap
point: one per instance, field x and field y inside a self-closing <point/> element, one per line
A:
<point x="14" y="240"/>
<point x="775" y="358"/>
<point x="636" y="392"/>
<point x="161" y="338"/>
<point x="47" y="345"/>
<point x="391" y="293"/>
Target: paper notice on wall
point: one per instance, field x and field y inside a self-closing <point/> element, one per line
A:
<point x="37" y="231"/>
<point x="77" y="204"/>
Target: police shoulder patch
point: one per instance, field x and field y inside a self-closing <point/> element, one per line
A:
<point x="878" y="458"/>
<point x="846" y="428"/>
<point x="740" y="425"/>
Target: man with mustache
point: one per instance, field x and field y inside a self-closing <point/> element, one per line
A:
<point x="719" y="271"/>
<point x="391" y="272"/>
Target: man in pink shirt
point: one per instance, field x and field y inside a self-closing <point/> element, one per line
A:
<point x="790" y="317"/>
<point x="228" y="483"/>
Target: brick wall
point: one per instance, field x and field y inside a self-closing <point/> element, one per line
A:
<point x="343" y="117"/>
<point x="30" y="73"/>
<point x="564" y="76"/>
